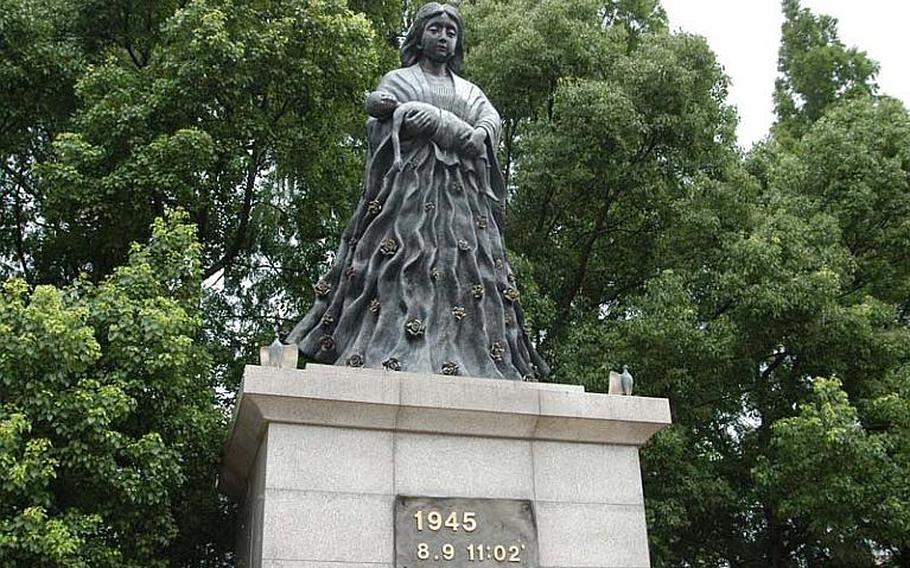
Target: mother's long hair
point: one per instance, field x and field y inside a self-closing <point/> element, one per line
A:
<point x="410" y="49"/>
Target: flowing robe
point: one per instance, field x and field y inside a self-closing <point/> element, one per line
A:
<point x="421" y="282"/>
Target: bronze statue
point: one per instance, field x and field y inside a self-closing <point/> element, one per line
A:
<point x="421" y="282"/>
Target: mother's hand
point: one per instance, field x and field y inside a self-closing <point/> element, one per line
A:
<point x="474" y="145"/>
<point x="421" y="121"/>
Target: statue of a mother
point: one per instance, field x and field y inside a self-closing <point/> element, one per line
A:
<point x="421" y="282"/>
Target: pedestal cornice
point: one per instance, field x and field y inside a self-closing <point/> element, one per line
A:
<point x="324" y="395"/>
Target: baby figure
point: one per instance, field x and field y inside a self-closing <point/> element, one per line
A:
<point x="381" y="104"/>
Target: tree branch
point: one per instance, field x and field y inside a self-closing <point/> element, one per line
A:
<point x="127" y="41"/>
<point x="243" y="225"/>
<point x="546" y="228"/>
<point x="779" y="358"/>
<point x="20" y="238"/>
<point x="147" y="50"/>
<point x="722" y="309"/>
<point x="564" y="307"/>
<point x="609" y="197"/>
<point x="128" y="45"/>
<point x="20" y="179"/>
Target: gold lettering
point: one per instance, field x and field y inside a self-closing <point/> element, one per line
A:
<point x="423" y="551"/>
<point x="469" y="521"/>
<point x="434" y="520"/>
<point x="448" y="551"/>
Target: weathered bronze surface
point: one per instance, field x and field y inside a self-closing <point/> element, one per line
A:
<point x="462" y="533"/>
<point x="421" y="282"/>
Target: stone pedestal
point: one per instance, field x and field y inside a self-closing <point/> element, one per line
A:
<point x="318" y="456"/>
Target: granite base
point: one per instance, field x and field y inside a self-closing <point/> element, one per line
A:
<point x="318" y="456"/>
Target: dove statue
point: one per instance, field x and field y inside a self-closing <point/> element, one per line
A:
<point x="626" y="381"/>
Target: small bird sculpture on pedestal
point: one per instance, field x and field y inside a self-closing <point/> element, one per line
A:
<point x="621" y="383"/>
<point x="626" y="381"/>
<point x="278" y="355"/>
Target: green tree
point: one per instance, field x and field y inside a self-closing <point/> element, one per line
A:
<point x="229" y="92"/>
<point x="861" y="500"/>
<point x="245" y="114"/>
<point x="843" y="153"/>
<point x="727" y="284"/>
<point x="108" y="432"/>
<point x="520" y="50"/>
<point x="39" y="65"/>
<point x="816" y="68"/>
<point x="598" y="98"/>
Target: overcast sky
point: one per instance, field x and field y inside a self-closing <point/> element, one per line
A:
<point x="745" y="35"/>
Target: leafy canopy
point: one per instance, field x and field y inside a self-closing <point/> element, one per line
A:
<point x="108" y="431"/>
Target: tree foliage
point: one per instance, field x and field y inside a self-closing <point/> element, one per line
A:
<point x="245" y="114"/>
<point x="728" y="282"/>
<point x="816" y="68"/>
<point x="108" y="434"/>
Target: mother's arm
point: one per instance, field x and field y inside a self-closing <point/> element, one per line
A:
<point x="487" y="117"/>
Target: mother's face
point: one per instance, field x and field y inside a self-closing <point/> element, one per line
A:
<point x="439" y="39"/>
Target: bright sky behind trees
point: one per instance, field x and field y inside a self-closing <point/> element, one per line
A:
<point x="745" y="34"/>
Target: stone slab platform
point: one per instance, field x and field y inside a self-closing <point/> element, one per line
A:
<point x="317" y="457"/>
